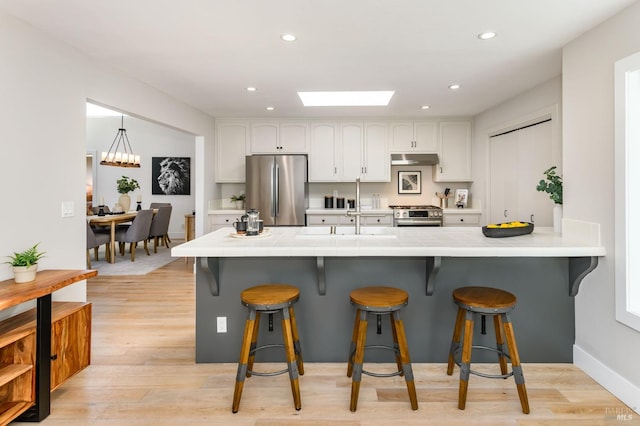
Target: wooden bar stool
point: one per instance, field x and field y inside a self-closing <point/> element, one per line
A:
<point x="379" y="301"/>
<point x="270" y="299"/>
<point x="496" y="303"/>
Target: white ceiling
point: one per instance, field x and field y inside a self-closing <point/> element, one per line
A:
<point x="206" y="52"/>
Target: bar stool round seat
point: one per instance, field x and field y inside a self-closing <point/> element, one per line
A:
<point x="485" y="301"/>
<point x="270" y="299"/>
<point x="379" y="301"/>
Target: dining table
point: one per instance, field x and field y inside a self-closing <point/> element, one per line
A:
<point x="111" y="220"/>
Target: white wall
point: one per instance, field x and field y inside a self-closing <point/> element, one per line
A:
<point x="605" y="347"/>
<point x="147" y="140"/>
<point x="45" y="86"/>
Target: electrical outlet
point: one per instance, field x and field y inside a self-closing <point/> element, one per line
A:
<point x="222" y="324"/>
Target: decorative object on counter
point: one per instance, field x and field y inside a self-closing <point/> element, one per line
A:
<point x="553" y="186"/>
<point x="116" y="158"/>
<point x="462" y="195"/>
<point x="507" y="229"/>
<point x="444" y="198"/>
<point x="351" y="203"/>
<point x="239" y="200"/>
<point x="375" y="201"/>
<point x="409" y="182"/>
<point x="253" y="227"/>
<point x="328" y="201"/>
<point x="126" y="185"/>
<point x="240" y="226"/>
<point x="171" y="175"/>
<point x="340" y="202"/>
<point x="25" y="264"/>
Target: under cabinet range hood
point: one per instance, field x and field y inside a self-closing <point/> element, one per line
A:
<point x="414" y="159"/>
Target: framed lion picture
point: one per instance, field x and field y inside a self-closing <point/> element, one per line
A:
<point x="171" y="175"/>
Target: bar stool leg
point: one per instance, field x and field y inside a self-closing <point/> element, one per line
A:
<point x="405" y="359"/>
<point x="502" y="358"/>
<point x="352" y="347"/>
<point x="244" y="357"/>
<point x="396" y="345"/>
<point x="296" y="341"/>
<point x="254" y="343"/>
<point x="515" y="363"/>
<point x="292" y="365"/>
<point x="465" y="364"/>
<point x="361" y="321"/>
<point x="455" y="340"/>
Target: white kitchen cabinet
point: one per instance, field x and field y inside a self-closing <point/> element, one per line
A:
<point x="323" y="150"/>
<point x="279" y="137"/>
<point x="364" y="152"/>
<point x="455" y="153"/>
<point x="341" y="219"/>
<point x="461" y="217"/>
<point x="231" y="148"/>
<point x="322" y="220"/>
<point x="517" y="162"/>
<point x="417" y="137"/>
<point x="223" y="220"/>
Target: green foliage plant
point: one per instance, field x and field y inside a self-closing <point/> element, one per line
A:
<point x="240" y="197"/>
<point x="26" y="258"/>
<point x="126" y="185"/>
<point x="552" y="186"/>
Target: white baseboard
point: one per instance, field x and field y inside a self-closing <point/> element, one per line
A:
<point x="620" y="387"/>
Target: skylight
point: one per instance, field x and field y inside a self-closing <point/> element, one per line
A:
<point x="348" y="98"/>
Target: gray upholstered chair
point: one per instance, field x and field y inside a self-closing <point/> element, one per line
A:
<point x="160" y="227"/>
<point x="94" y="241"/>
<point x="138" y="231"/>
<point x="156" y="206"/>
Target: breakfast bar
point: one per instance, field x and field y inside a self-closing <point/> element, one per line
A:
<point x="543" y="269"/>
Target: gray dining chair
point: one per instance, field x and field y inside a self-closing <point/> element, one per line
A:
<point x="138" y="231"/>
<point x="156" y="206"/>
<point x="94" y="241"/>
<point x="160" y="227"/>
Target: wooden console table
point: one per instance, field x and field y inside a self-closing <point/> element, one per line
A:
<point x="32" y="406"/>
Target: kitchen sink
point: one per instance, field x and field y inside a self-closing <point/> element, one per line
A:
<point x="347" y="232"/>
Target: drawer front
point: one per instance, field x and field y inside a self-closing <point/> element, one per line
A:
<point x="319" y="220"/>
<point x="223" y="219"/>
<point x="382" y="220"/>
<point x="461" y="220"/>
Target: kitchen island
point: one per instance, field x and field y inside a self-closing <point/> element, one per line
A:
<point x="544" y="270"/>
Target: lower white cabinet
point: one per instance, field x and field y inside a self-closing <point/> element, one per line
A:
<point x="461" y="218"/>
<point x="217" y="221"/>
<point x="341" y="218"/>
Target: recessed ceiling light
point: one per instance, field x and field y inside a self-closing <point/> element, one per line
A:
<point x="347" y="98"/>
<point x="486" y="35"/>
<point x="251" y="89"/>
<point x="288" y="37"/>
<point x="270" y="108"/>
<point x="424" y="107"/>
<point x="454" y="86"/>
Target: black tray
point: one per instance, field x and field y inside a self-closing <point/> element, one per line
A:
<point x="507" y="232"/>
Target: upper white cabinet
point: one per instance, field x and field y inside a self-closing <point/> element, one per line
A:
<point x="323" y="150"/>
<point x="231" y="142"/>
<point x="410" y="136"/>
<point x="364" y="152"/>
<point x="455" y="153"/>
<point x="279" y="137"/>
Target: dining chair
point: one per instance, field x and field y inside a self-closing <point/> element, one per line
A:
<point x="160" y="227"/>
<point x="156" y="206"/>
<point x="138" y="231"/>
<point x="94" y="241"/>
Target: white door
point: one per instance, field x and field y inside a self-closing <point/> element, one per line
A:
<point x="376" y="153"/>
<point x="351" y="151"/>
<point x="322" y="153"/>
<point x="503" y="173"/>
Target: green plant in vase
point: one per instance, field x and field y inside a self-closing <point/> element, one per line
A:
<point x="126" y="185"/>
<point x="552" y="186"/>
<point x="25" y="264"/>
<point x="239" y="200"/>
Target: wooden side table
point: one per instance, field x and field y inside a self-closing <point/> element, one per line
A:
<point x="189" y="228"/>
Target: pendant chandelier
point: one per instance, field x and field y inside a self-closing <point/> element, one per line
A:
<point x="117" y="157"/>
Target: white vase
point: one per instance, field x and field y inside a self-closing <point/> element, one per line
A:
<point x="125" y="202"/>
<point x="557" y="218"/>
<point x="25" y="274"/>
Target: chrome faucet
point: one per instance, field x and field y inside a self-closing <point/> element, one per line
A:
<point x="357" y="213"/>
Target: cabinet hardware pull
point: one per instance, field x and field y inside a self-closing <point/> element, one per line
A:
<point x="531" y="218"/>
<point x="505" y="213"/>
<point x="54" y="357"/>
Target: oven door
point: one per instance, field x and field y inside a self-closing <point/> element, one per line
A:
<point x="417" y="222"/>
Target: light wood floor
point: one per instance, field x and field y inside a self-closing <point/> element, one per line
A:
<point x="143" y="373"/>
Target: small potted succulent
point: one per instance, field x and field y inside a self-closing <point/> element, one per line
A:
<point x="25" y="264"/>
<point x="239" y="200"/>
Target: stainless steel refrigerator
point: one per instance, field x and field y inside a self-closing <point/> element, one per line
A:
<point x="276" y="186"/>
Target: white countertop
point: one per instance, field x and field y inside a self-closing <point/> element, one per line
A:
<point x="462" y="211"/>
<point x="422" y="241"/>
<point x="227" y="211"/>
<point x="344" y="211"/>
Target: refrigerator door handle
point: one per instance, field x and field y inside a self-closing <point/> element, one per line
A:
<point x="276" y="192"/>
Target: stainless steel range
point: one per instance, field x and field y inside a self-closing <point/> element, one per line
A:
<point x="417" y="215"/>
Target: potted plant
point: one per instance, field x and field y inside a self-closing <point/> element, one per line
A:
<point x="553" y="186"/>
<point x="25" y="264"/>
<point x="126" y="185"/>
<point x="239" y="201"/>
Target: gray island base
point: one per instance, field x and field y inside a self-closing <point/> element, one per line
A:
<point x="544" y="271"/>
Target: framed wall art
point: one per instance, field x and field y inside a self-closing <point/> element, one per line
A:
<point x="171" y="175"/>
<point x="409" y="182"/>
<point x="462" y="196"/>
